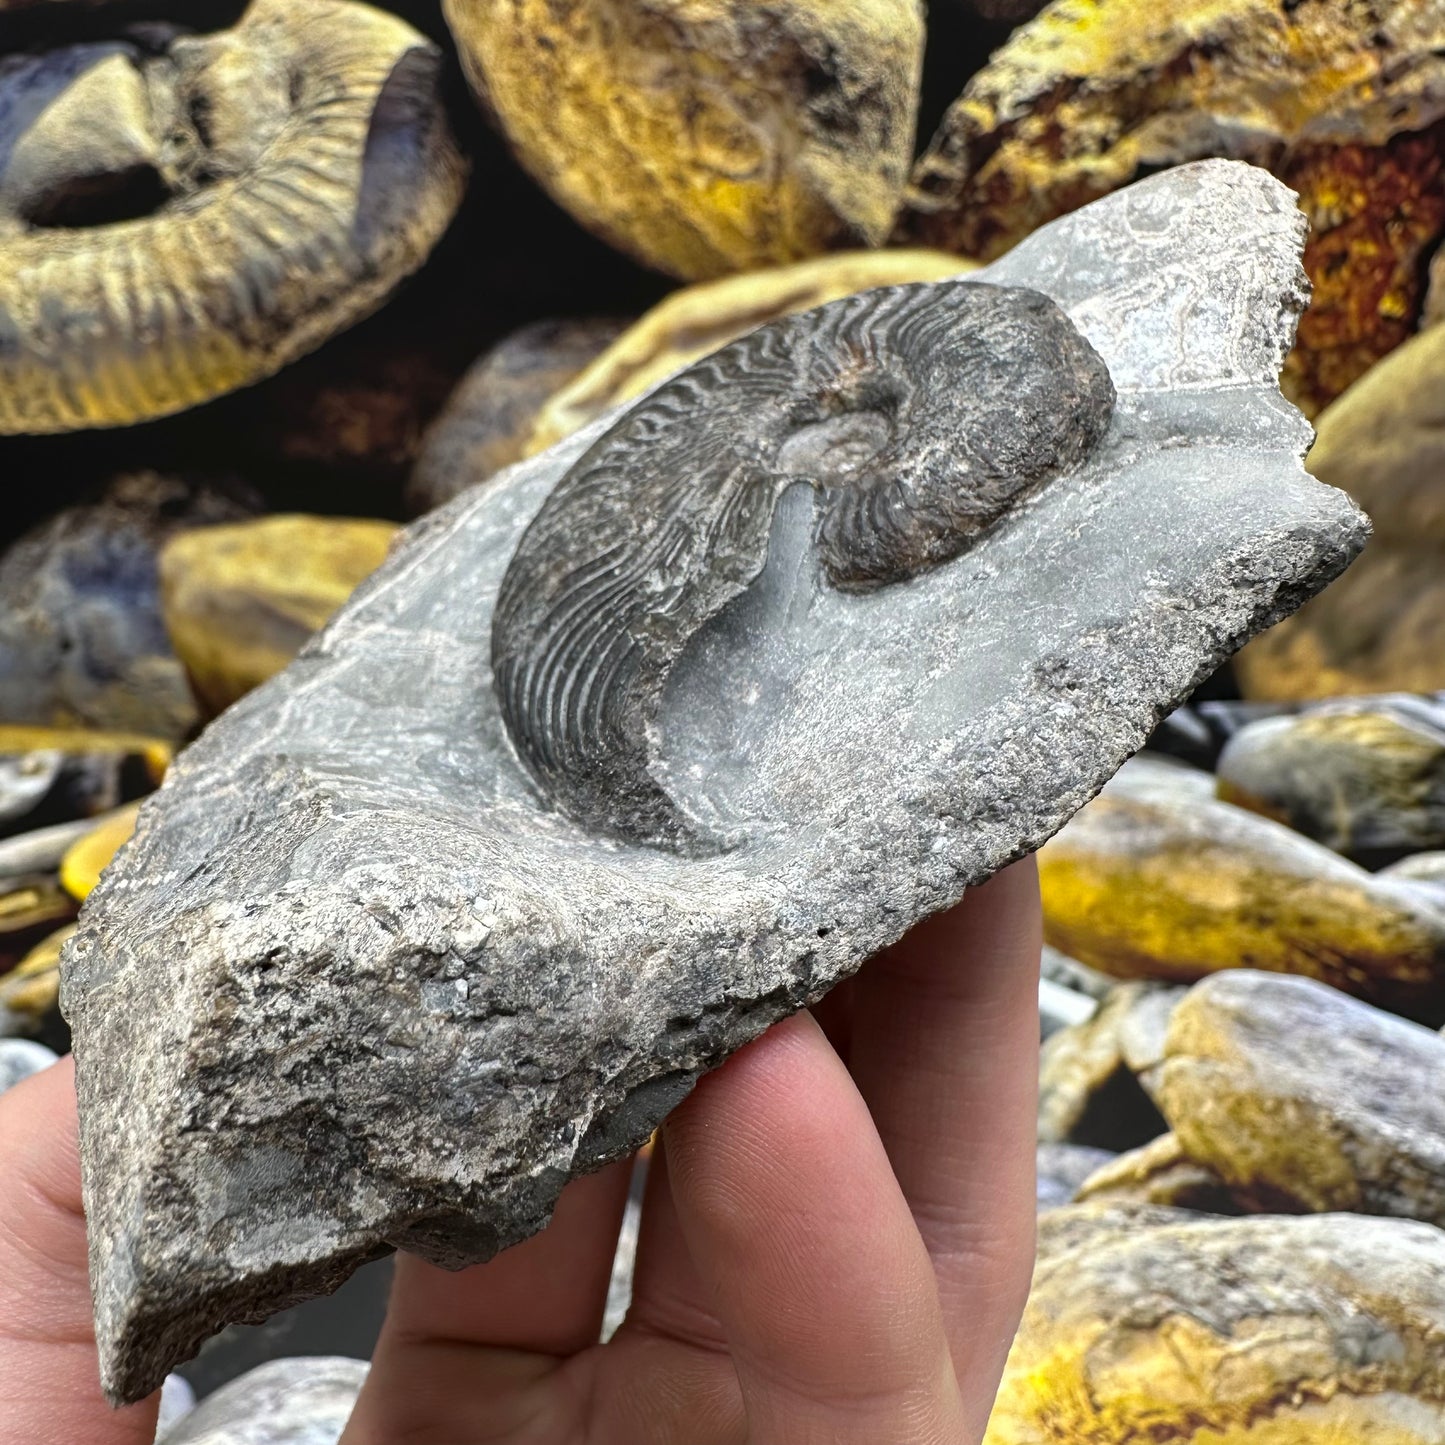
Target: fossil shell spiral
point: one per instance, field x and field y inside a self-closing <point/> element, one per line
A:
<point x="921" y="415"/>
<point x="182" y="215"/>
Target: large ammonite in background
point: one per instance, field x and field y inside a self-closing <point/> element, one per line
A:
<point x="181" y="215"/>
<point x="920" y="414"/>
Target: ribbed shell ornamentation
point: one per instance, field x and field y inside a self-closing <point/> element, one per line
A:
<point x="920" y="414"/>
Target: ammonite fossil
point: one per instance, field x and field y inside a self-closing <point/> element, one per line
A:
<point x="705" y="137"/>
<point x="182" y="215"/>
<point x="921" y="414"/>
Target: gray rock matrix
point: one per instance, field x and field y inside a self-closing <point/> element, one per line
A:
<point x="355" y="986"/>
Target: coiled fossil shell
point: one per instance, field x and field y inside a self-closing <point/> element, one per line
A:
<point x="921" y="414"/>
<point x="705" y="137"/>
<point x="185" y="215"/>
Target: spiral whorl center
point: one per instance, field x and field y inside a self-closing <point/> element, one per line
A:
<point x="921" y="415"/>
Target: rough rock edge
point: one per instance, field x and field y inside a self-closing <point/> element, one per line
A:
<point x="150" y="1335"/>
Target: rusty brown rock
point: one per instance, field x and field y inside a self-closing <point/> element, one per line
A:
<point x="1299" y="1094"/>
<point x="1160" y="1173"/>
<point x="1343" y="99"/>
<point x="706" y="138"/>
<point x="1366" y="778"/>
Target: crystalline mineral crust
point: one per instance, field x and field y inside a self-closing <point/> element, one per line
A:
<point x="354" y="985"/>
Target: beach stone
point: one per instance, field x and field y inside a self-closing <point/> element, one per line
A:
<point x="81" y="638"/>
<point x="55" y="777"/>
<point x="19" y="1058"/>
<point x="1160" y="1173"/>
<point x="1158" y="1325"/>
<point x="87" y="858"/>
<point x="1197" y="733"/>
<point x="1155" y="880"/>
<point x="30" y="992"/>
<point x="488" y="420"/>
<point x="30" y="907"/>
<point x="353" y="870"/>
<point x="1293" y="1090"/>
<point x="1426" y="868"/>
<point x="697" y="320"/>
<point x="1093" y="1076"/>
<point x="1366" y="779"/>
<point x="1383" y="628"/>
<point x="709" y="138"/>
<point x="1078" y="977"/>
<point x="239" y="601"/>
<point x="1345" y="102"/>
<point x="1062" y="1168"/>
<point x="177" y="1399"/>
<point x="304" y="1401"/>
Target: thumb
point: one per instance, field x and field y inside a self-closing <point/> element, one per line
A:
<point x="49" y="1377"/>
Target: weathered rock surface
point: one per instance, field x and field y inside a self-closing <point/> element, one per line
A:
<point x="1157" y="879"/>
<point x="1160" y="1173"/>
<point x="1062" y="1168"/>
<point x="240" y="601"/>
<point x="708" y="138"/>
<point x="697" y="320"/>
<point x="1366" y="779"/>
<point x="1344" y="100"/>
<point x="30" y="992"/>
<point x="1383" y="628"/>
<point x="304" y="1401"/>
<point x="81" y="639"/>
<point x="395" y="973"/>
<point x="1151" y="1325"/>
<point x="1093" y="1077"/>
<point x="1291" y="1089"/>
<point x="258" y="189"/>
<point x="488" y="420"/>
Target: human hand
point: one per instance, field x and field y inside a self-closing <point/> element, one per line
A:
<point x="836" y="1242"/>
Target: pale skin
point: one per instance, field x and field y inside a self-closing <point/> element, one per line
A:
<point x="836" y="1243"/>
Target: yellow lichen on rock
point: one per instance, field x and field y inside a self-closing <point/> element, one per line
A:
<point x="182" y="221"/>
<point x="84" y="861"/>
<point x="1343" y="99"/>
<point x="700" y="136"/>
<point x="1147" y="1324"/>
<point x="1150" y="881"/>
<point x="31" y="990"/>
<point x="1381" y="626"/>
<point x="697" y="320"/>
<point x="240" y="600"/>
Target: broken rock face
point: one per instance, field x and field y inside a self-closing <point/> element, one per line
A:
<point x="404" y="999"/>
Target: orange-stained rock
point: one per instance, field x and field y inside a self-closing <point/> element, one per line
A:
<point x="1152" y="880"/>
<point x="1343" y="99"/>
